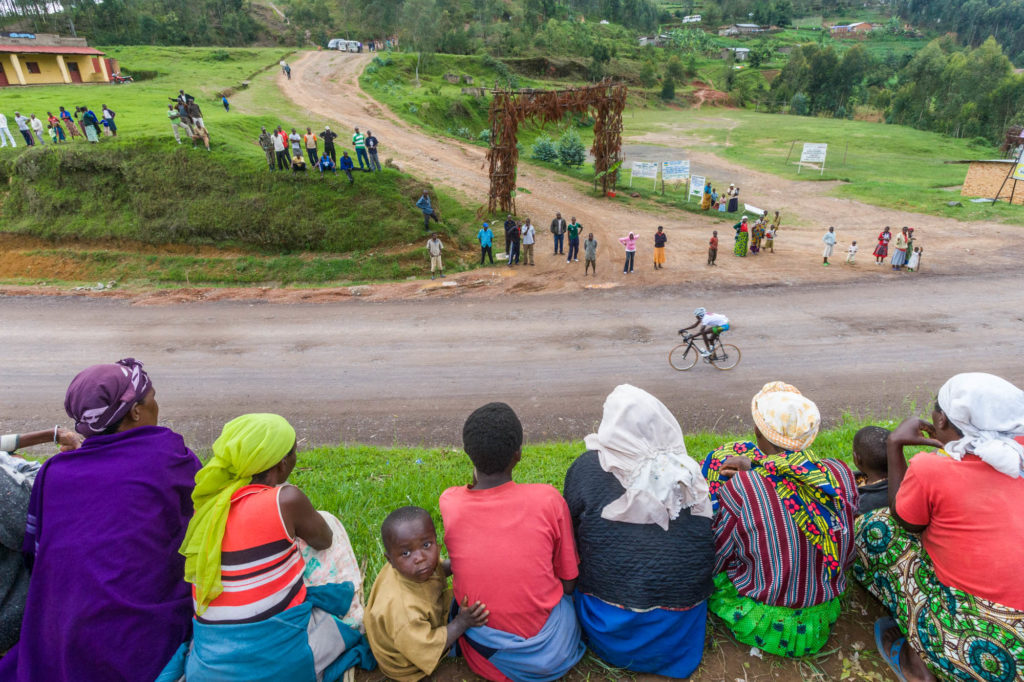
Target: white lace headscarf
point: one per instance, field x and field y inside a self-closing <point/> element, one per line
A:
<point x="641" y="444"/>
<point x="989" y="411"/>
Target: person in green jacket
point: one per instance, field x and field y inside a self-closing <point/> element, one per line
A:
<point x="359" y="142"/>
<point x="574" y="241"/>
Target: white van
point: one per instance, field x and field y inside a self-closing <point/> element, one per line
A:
<point x="343" y="45"/>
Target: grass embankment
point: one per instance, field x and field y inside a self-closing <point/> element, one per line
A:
<point x="141" y="188"/>
<point x="362" y="484"/>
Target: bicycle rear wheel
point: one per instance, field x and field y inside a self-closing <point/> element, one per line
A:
<point x="726" y="356"/>
<point x="683" y="357"/>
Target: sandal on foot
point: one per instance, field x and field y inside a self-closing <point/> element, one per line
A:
<point x="892" y="656"/>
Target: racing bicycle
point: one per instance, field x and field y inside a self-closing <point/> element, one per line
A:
<point x="723" y="356"/>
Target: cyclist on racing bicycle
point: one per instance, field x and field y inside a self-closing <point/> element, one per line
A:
<point x="711" y="327"/>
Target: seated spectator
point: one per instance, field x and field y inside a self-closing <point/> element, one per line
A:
<point x="407" y="614"/>
<point x="642" y="516"/>
<point x="872" y="470"/>
<point x="16" y="478"/>
<point x="345" y="164"/>
<point x="779" y="495"/>
<point x="298" y="163"/>
<point x="326" y="164"/>
<point x="267" y="606"/>
<point x="107" y="599"/>
<point x="511" y="548"/>
<point x="945" y="557"/>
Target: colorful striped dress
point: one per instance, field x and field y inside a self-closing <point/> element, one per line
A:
<point x="261" y="565"/>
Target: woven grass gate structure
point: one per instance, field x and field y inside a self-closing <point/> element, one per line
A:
<point x="509" y="109"/>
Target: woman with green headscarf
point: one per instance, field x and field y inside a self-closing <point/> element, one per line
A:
<point x="270" y="574"/>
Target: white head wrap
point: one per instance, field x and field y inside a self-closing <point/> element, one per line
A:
<point x="640" y="442"/>
<point x="989" y="411"/>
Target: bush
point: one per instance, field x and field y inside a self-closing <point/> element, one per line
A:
<point x="219" y="56"/>
<point x="571" y="151"/>
<point x="798" y="105"/>
<point x="484" y="136"/>
<point x="544" y="149"/>
<point x="668" y="90"/>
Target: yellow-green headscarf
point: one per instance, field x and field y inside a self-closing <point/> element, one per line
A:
<point x="247" y="446"/>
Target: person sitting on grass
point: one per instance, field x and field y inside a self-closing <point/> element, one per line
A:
<point x="298" y="163"/>
<point x="643" y="526"/>
<point x="945" y="557"/>
<point x="775" y="493"/>
<point x="275" y="583"/>
<point x="407" y="613"/>
<point x="511" y="547"/>
<point x="872" y="468"/>
<point x="326" y="164"/>
<point x="345" y="164"/>
<point x="711" y="327"/>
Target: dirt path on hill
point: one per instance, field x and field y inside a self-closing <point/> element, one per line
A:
<point x="326" y="83"/>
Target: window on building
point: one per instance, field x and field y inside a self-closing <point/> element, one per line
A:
<point x="32" y="67"/>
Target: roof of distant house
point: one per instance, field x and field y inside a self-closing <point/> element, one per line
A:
<point x="49" y="49"/>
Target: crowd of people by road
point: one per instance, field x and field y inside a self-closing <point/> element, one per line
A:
<point x="59" y="127"/>
<point x="284" y="151"/>
<point x="125" y="557"/>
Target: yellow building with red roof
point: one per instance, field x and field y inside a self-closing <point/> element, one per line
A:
<point x="47" y="59"/>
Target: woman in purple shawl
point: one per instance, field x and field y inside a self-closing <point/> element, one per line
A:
<point x="107" y="599"/>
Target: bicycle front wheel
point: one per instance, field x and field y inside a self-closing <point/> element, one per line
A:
<point x="683" y="357"/>
<point x="726" y="356"/>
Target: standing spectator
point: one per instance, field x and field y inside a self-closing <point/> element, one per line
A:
<point x="630" y="243"/>
<point x="22" y="122"/>
<point x="776" y="221"/>
<point x="512" y="235"/>
<point x="769" y="238"/>
<point x="69" y="123"/>
<point x="224" y="101"/>
<point x="590" y="254"/>
<point x="359" y="143"/>
<point x="5" y="132"/>
<point x="371" y="147"/>
<point x="830" y="243"/>
<point x="310" y="139"/>
<point x="284" y="135"/>
<point x="423" y="203"/>
<point x="574" y="241"/>
<point x="80" y="112"/>
<point x="742" y="238"/>
<point x="529" y="235"/>
<point x="265" y="142"/>
<point x="108" y="116"/>
<point x="509" y="224"/>
<point x="183" y="118"/>
<point x="37" y="127"/>
<point x="914" y="264"/>
<point x="434" y="248"/>
<point x="296" y="142"/>
<point x="92" y="125"/>
<point x="345" y="164"/>
<point x="195" y="114"/>
<point x="899" y="254"/>
<point x="288" y="71"/>
<point x="851" y="253"/>
<point x="659" y="248"/>
<point x="283" y="64"/>
<point x="486" y="238"/>
<point x="326" y="165"/>
<point x="281" y="151"/>
<point x="882" y="250"/>
<point x="734" y="198"/>
<point x="55" y="124"/>
<point x="713" y="248"/>
<point x="558" y="228"/>
<point x="52" y="132"/>
<point x="328" y="136"/>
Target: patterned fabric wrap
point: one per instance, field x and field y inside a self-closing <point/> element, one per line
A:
<point x="961" y="637"/>
<point x="778" y="630"/>
<point x="336" y="564"/>
<point x="807" y="488"/>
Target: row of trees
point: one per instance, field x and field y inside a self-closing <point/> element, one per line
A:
<point x="972" y="20"/>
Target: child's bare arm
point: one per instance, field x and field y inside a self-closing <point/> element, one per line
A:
<point x="569" y="586"/>
<point x="469" y="617"/>
<point x="446" y="567"/>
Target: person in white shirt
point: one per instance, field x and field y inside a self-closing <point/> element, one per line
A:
<point x="529" y="237"/>
<point x="281" y="152"/>
<point x="5" y="132"/>
<point x="296" y="141"/>
<point x="22" y="122"/>
<point x="711" y="326"/>
<point x="830" y="243"/>
<point x="434" y="248"/>
<point x="851" y="253"/>
<point x="37" y="126"/>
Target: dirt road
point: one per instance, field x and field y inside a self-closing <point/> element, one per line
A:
<point x="326" y="84"/>
<point x="410" y="371"/>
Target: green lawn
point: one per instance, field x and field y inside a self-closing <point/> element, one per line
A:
<point x="142" y="187"/>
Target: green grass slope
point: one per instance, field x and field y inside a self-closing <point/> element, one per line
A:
<point x="143" y="188"/>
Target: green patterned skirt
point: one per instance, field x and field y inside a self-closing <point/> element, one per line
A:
<point x="960" y="636"/>
<point x="778" y="630"/>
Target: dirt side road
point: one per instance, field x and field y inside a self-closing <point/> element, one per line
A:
<point x="410" y="371"/>
<point x="326" y="83"/>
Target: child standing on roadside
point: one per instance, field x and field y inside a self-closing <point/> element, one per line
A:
<point x="659" y="248"/>
<point x="590" y="254"/>
<point x="407" y="614"/>
<point x="915" y="260"/>
<point x="769" y="238"/>
<point x="851" y="253"/>
<point x="713" y="248"/>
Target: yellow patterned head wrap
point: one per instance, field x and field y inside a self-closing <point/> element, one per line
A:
<point x="785" y="417"/>
<point x="247" y="445"/>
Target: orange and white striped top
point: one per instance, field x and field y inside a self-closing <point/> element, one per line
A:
<point x="261" y="566"/>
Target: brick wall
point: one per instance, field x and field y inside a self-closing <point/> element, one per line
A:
<point x="985" y="177"/>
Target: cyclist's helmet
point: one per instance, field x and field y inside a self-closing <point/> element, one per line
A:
<point x="700" y="312"/>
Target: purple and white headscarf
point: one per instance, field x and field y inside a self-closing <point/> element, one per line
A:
<point x="101" y="395"/>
